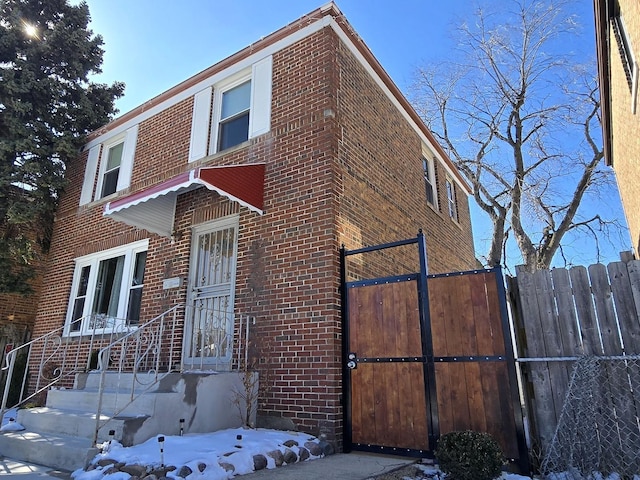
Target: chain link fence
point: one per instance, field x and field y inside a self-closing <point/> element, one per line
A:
<point x="598" y="435"/>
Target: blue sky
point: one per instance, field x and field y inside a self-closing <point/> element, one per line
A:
<point x="151" y="45"/>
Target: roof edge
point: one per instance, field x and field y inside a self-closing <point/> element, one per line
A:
<point x="328" y="9"/>
<point x="601" y="10"/>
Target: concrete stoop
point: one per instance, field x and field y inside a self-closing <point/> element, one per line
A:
<point x="60" y="434"/>
<point x="62" y="452"/>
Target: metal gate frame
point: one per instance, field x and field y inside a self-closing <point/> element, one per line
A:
<point x="428" y="358"/>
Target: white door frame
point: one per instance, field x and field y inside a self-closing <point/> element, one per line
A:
<point x="199" y="297"/>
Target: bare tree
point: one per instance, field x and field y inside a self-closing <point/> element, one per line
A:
<point x="521" y="121"/>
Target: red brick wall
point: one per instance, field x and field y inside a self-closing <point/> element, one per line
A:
<point x="293" y="253"/>
<point x="342" y="166"/>
<point x="383" y="195"/>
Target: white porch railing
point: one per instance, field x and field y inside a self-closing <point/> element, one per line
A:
<point x="146" y="353"/>
<point x="58" y="357"/>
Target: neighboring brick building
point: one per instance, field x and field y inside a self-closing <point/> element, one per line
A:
<point x="235" y="190"/>
<point x="618" y="47"/>
<point x="18" y="311"/>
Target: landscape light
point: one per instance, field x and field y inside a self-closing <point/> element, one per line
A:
<point x="161" y="442"/>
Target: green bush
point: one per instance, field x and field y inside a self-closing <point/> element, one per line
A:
<point x="469" y="456"/>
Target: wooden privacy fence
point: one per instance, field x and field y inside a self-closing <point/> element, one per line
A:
<point x="561" y="315"/>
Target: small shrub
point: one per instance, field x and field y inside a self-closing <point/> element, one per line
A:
<point x="469" y="456"/>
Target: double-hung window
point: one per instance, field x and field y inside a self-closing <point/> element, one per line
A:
<point x="629" y="63"/>
<point x="429" y="181"/>
<point x="107" y="289"/>
<point x="233" y="127"/>
<point x="109" y="165"/>
<point x="451" y="199"/>
<point x="232" y="110"/>
<point x="113" y="159"/>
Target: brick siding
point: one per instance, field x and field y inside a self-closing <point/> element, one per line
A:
<point x="625" y="124"/>
<point x="342" y="166"/>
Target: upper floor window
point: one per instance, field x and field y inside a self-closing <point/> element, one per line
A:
<point x="451" y="199"/>
<point x="629" y="63"/>
<point x="231" y="111"/>
<point x="107" y="289"/>
<point x="429" y="181"/>
<point x="233" y="127"/>
<point x="109" y="166"/>
<point x="112" y="169"/>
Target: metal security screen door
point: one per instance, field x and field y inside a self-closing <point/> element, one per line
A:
<point x="209" y="332"/>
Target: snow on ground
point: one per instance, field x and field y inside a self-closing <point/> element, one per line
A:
<point x="212" y="448"/>
<point x="225" y="446"/>
<point x="431" y="472"/>
<point x="235" y="446"/>
<point x="9" y="423"/>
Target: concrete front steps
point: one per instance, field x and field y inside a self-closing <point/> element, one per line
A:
<point x="60" y="434"/>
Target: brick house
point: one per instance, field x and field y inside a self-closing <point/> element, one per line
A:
<point x="618" y="47"/>
<point x="235" y="190"/>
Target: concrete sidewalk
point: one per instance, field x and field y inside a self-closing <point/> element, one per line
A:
<point x="341" y="466"/>
<point x="29" y="471"/>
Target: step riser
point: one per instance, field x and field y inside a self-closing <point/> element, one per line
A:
<point x="52" y="454"/>
<point x="111" y="402"/>
<point x="60" y="434"/>
<point x="118" y="381"/>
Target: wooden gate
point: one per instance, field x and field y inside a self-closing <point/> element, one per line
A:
<point x="426" y="355"/>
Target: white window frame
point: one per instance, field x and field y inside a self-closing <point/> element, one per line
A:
<point x="218" y="93"/>
<point x="104" y="158"/>
<point x="104" y="165"/>
<point x="430" y="179"/>
<point x="93" y="261"/>
<point x="205" y="119"/>
<point x="99" y="161"/>
<point x="451" y="198"/>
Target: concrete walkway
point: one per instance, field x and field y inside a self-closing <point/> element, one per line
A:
<point x="29" y="471"/>
<point x="342" y="466"/>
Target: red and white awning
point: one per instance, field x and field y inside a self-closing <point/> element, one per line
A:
<point x="154" y="208"/>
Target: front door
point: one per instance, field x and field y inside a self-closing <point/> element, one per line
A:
<point x="209" y="316"/>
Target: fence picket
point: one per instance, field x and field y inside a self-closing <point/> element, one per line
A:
<point x="542" y="401"/>
<point x="625" y="306"/>
<point x="585" y="311"/>
<point x="603" y="299"/>
<point x="633" y="268"/>
<point x="566" y="314"/>
<point x="567" y="321"/>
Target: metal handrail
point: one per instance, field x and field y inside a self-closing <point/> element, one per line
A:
<point x="135" y="351"/>
<point x="148" y="351"/>
<point x="64" y="352"/>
